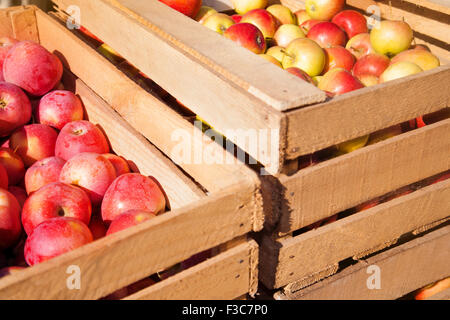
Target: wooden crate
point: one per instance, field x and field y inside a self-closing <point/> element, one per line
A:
<point x="218" y="214"/>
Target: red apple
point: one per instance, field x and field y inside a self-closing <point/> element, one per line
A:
<point x="34" y="142"/>
<point x="20" y="194"/>
<point x="244" y="6"/>
<point x="58" y="108"/>
<point x="352" y="22"/>
<point x="132" y="191"/>
<point x="263" y="20"/>
<point x="323" y="222"/>
<point x="97" y="227"/>
<point x="10" y="227"/>
<point x="90" y="171"/>
<point x="89" y="34"/>
<point x="31" y="67"/>
<point x="3" y="177"/>
<point x="308" y="24"/>
<point x="338" y="81"/>
<point x="432" y="289"/>
<point x="423" y="58"/>
<point x="367" y="205"/>
<point x="247" y="36"/>
<point x="327" y="34"/>
<point x="129" y="219"/>
<point x="80" y="136"/>
<point x="43" y="172"/>
<point x="15" y="108"/>
<point x="338" y="57"/>
<point x="119" y="163"/>
<point x="13" y="164"/>
<point x="391" y="37"/>
<point x="300" y="73"/>
<point x="287" y="33"/>
<point x="305" y="54"/>
<point x="359" y="45"/>
<point x="283" y="14"/>
<point x="189" y="8"/>
<point x="323" y="9"/>
<point x="371" y="64"/>
<point x="237" y="18"/>
<point x="54" y="237"/>
<point x="5" y="44"/>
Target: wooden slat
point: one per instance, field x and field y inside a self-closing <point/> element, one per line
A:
<point x="294" y="258"/>
<point x="403" y="269"/>
<point x="123" y="258"/>
<point x="223" y="277"/>
<point x="19" y="23"/>
<point x="443" y="295"/>
<point x="366" y="110"/>
<point x="328" y="188"/>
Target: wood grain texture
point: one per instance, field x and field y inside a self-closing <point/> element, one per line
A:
<point x="403" y="269"/>
<point x="297" y="257"/>
<point x="330" y="187"/>
<point x="19" y="23"/>
<point x="223" y="277"/>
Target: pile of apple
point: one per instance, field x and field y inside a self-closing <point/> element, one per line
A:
<point x="323" y="44"/>
<point x="61" y="186"/>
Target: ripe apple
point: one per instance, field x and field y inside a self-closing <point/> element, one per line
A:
<point x="20" y="194"/>
<point x="5" y="44"/>
<point x="189" y="8"/>
<point x="301" y="16"/>
<point x="371" y="64"/>
<point x="10" y="227"/>
<point x="90" y="35"/>
<point x="359" y="45"/>
<point x="423" y="58"/>
<point x="34" y="142"/>
<point x="80" y="136"/>
<point x="316" y="80"/>
<point x="42" y="173"/>
<point x="3" y="178"/>
<point x="391" y="37"/>
<point x="58" y="108"/>
<point x="283" y="14"/>
<point x="369" y="80"/>
<point x="277" y="52"/>
<point x="367" y="205"/>
<point x="129" y="219"/>
<point x="247" y="36"/>
<point x="132" y="191"/>
<point x="15" y="108"/>
<point x="97" y="227"/>
<point x="384" y="134"/>
<point x="204" y="13"/>
<point x="271" y="59"/>
<point x="218" y="22"/>
<point x="338" y="57"/>
<point x="120" y="164"/>
<point x="109" y="53"/>
<point x="338" y="81"/>
<point x="352" y="145"/>
<point x="55" y="200"/>
<point x="300" y="73"/>
<point x="287" y="33"/>
<point x="308" y="24"/>
<point x="323" y="222"/>
<point x="244" y="6"/>
<point x="54" y="237"/>
<point x="399" y="70"/>
<point x="352" y="22"/>
<point x="323" y="9"/>
<point x="13" y="164"/>
<point x="327" y="34"/>
<point x="90" y="171"/>
<point x="31" y="67"/>
<point x="263" y="20"/>
<point x="305" y="54"/>
<point x="432" y="289"/>
<point x="237" y="18"/>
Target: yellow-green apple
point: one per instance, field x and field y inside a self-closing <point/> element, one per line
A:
<point x="308" y="24"/>
<point x="271" y="59"/>
<point x="283" y="14"/>
<point x="5" y="44"/>
<point x="420" y="47"/>
<point x="369" y="80"/>
<point x="54" y="237"/>
<point x="13" y="164"/>
<point x="371" y="64"/>
<point x="109" y="53"/>
<point x="42" y="173"/>
<point x="237" y="18"/>
<point x="399" y="70"/>
<point x="119" y="163"/>
<point x="20" y="194"/>
<point x="423" y="58"/>
<point x="204" y="13"/>
<point x="15" y="108"/>
<point x="287" y="33"/>
<point x="305" y="54"/>
<point x="338" y="57"/>
<point x="129" y="219"/>
<point x="352" y="145"/>
<point x="352" y="22"/>
<point x="58" y="108"/>
<point x="132" y="191"/>
<point x="90" y="171"/>
<point x="10" y="227"/>
<point x="263" y="20"/>
<point x="299" y="73"/>
<point x="55" y="200"/>
<point x="189" y="8"/>
<point x="247" y="36"/>
<point x="323" y="9"/>
<point x="316" y="80"/>
<point x="34" y="142"/>
<point x="432" y="289"/>
<point x="97" y="227"/>
<point x="3" y="177"/>
<point x="33" y="68"/>
<point x="384" y="134"/>
<point x="359" y="45"/>
<point x="218" y="22"/>
<point x="391" y="37"/>
<point x="277" y="52"/>
<point x="327" y="34"/>
<point x="301" y="16"/>
<point x="338" y="81"/>
<point x="244" y="6"/>
<point x="80" y="136"/>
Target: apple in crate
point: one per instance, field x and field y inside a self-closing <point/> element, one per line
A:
<point x="247" y="36"/>
<point x="369" y="80"/>
<point x="271" y="60"/>
<point x="283" y="14"/>
<point x="300" y="73"/>
<point x="423" y="58"/>
<point x="43" y="172"/>
<point x="391" y="37"/>
<point x="31" y="67"/>
<point x="244" y="6"/>
<point x="360" y="45"/>
<point x="78" y="137"/>
<point x="338" y="81"/>
<point x="288" y="33"/>
<point x="129" y="219"/>
<point x="5" y="44"/>
<point x="3" y="177"/>
<point x="15" y="108"/>
<point x="10" y="227"/>
<point x="54" y="237"/>
<point x="204" y="13"/>
<point x="327" y="34"/>
<point x="432" y="289"/>
<point x="119" y="163"/>
<point x="277" y="52"/>
<point x="352" y="22"/>
<point x="97" y="227"/>
<point x="305" y="54"/>
<point x="371" y="64"/>
<point x="308" y="24"/>
<point x="338" y="57"/>
<point x="237" y="18"/>
<point x="189" y="8"/>
<point x="55" y="200"/>
<point x="218" y="22"/>
<point x="20" y="194"/>
<point x="263" y="20"/>
<point x="323" y="9"/>
<point x="399" y="70"/>
<point x="13" y="164"/>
